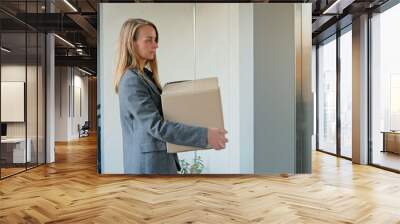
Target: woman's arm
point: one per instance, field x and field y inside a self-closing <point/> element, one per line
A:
<point x="138" y="101"/>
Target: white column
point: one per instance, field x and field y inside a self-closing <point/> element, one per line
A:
<point x="50" y="105"/>
<point x="360" y="90"/>
<point x="50" y="93"/>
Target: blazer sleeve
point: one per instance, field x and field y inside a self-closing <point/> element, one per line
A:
<point x="137" y="99"/>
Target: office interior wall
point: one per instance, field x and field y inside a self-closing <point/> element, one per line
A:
<point x="12" y="98"/>
<point x="15" y="72"/>
<point x="274" y="88"/>
<point x="217" y="55"/>
<point x="81" y="104"/>
<point x="282" y="88"/>
<point x="61" y="98"/>
<point x="230" y="41"/>
<point x="175" y="61"/>
<point x="209" y="31"/>
<point x="71" y="102"/>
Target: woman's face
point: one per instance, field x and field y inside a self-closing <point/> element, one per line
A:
<point x="145" y="43"/>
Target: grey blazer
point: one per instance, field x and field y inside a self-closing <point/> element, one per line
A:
<point x="144" y="130"/>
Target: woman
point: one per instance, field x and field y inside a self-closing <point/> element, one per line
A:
<point x="144" y="131"/>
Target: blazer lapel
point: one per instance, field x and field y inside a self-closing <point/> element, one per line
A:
<point x="148" y="81"/>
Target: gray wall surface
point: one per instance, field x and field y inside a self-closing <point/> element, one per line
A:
<point x="278" y="76"/>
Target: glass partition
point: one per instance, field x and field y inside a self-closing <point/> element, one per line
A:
<point x="31" y="100"/>
<point x="13" y="105"/>
<point x="22" y="77"/>
<point x="41" y="88"/>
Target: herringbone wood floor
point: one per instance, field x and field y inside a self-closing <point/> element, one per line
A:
<point x="70" y="191"/>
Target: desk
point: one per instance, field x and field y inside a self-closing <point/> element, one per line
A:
<point x="391" y="141"/>
<point x="13" y="150"/>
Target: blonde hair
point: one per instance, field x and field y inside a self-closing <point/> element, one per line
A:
<point x="127" y="55"/>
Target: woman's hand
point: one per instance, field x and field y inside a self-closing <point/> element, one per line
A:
<point x="216" y="138"/>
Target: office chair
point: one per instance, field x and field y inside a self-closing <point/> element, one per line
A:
<point x="84" y="130"/>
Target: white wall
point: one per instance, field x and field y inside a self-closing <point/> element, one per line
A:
<point x="209" y="31"/>
<point x="217" y="55"/>
<point x="175" y="57"/>
<point x="67" y="81"/>
<point x="61" y="103"/>
<point x="12" y="94"/>
<point x="17" y="73"/>
<point x="79" y="117"/>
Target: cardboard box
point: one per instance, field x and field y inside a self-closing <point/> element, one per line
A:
<point x="193" y="102"/>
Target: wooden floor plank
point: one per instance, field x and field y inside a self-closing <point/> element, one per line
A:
<point x="71" y="191"/>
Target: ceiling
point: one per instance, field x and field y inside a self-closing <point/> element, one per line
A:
<point x="75" y="21"/>
<point x="76" y="24"/>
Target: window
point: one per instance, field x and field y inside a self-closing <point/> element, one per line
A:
<point x="327" y="96"/>
<point x="346" y="93"/>
<point x="385" y="89"/>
